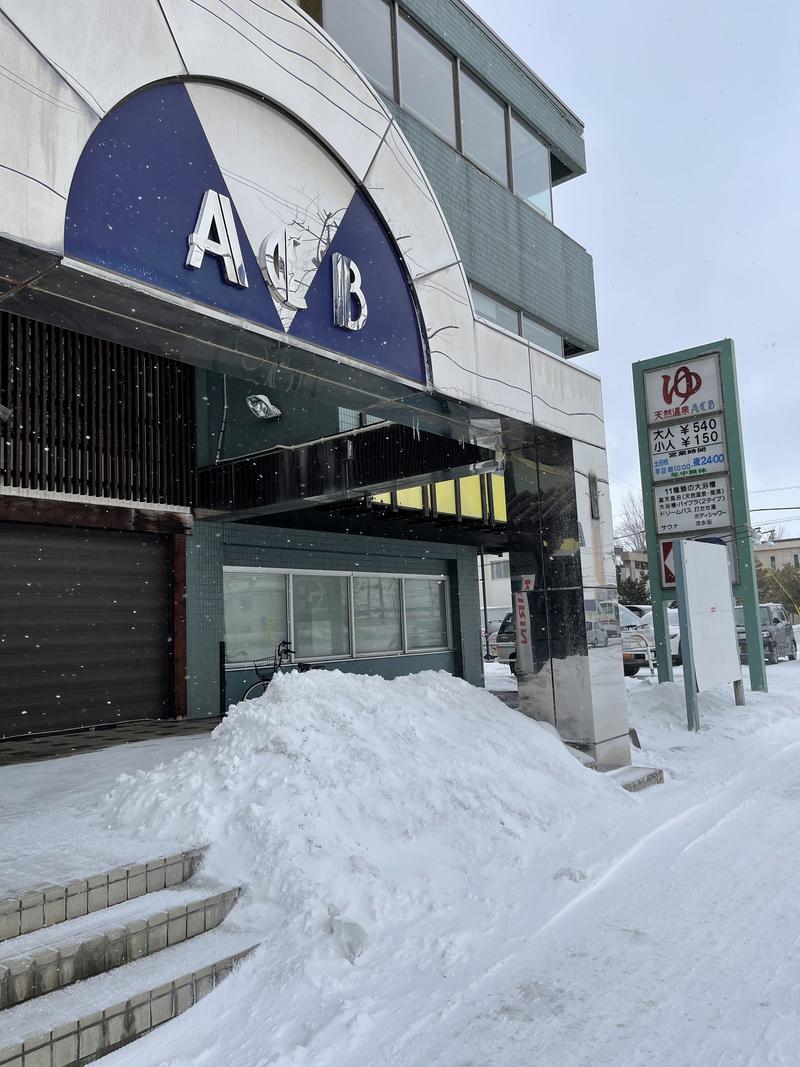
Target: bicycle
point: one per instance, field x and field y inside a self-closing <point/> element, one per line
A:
<point x="283" y="654"/>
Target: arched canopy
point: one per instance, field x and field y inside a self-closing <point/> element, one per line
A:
<point x="75" y="64"/>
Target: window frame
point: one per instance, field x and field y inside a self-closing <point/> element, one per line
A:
<point x="349" y="575"/>
<point x="512" y="113"/>
<point x="354" y="643"/>
<point x="244" y="664"/>
<point x="521" y="315"/>
<point x="392" y="6"/>
<point x="447" y="54"/>
<point x="470" y="73"/>
<point x="457" y="64"/>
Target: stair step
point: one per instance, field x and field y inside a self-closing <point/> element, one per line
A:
<point x="74" y="930"/>
<point x="635" y="779"/>
<point x="73" y="1026"/>
<point x="97" y="943"/>
<point x="582" y="757"/>
<point x="48" y="905"/>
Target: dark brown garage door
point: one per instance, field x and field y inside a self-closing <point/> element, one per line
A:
<point x="85" y="627"/>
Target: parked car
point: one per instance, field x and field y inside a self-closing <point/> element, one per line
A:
<point x="776" y="633"/>
<point x="495" y="619"/>
<point x="674" y="629"/>
<point x="639" y="609"/>
<point x="506" y="642"/>
<point x="638" y="642"/>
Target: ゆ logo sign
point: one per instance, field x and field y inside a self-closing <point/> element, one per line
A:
<point x="683" y="384"/>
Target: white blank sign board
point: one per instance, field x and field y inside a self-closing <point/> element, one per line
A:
<point x="715" y="646"/>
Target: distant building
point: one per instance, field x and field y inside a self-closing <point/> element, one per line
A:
<point x="772" y="555"/>
<point x="497" y="570"/>
<point x="632" y="564"/>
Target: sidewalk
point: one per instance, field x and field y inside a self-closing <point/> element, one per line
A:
<point x="54" y="746"/>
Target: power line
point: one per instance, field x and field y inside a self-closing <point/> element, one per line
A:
<point x="775" y="489"/>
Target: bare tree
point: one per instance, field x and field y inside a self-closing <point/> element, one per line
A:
<point x="629" y="524"/>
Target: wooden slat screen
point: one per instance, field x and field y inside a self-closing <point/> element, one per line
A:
<point x="93" y="417"/>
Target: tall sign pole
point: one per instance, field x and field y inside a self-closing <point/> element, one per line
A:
<point x="694" y="483"/>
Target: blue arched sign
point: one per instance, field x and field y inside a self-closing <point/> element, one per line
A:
<point x="243" y="223"/>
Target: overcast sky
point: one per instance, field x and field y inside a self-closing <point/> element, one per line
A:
<point x="690" y="204"/>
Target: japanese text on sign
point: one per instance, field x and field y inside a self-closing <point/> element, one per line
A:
<point x="688" y="506"/>
<point x="688" y="449"/>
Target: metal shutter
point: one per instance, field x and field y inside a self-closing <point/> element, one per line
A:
<point x="85" y="627"/>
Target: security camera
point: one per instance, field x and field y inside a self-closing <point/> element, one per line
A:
<point x="262" y="407"/>
<point x="6" y="414"/>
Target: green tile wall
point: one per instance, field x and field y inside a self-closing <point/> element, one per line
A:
<point x="508" y="247"/>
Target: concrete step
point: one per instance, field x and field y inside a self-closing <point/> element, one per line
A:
<point x="79" y="1024"/>
<point x="582" y="757"/>
<point x="634" y="779"/>
<point x="91" y="965"/>
<point x="38" y="963"/>
<point x="34" y="909"/>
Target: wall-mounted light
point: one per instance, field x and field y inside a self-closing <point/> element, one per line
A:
<point x="6" y="414"/>
<point x="262" y="407"/>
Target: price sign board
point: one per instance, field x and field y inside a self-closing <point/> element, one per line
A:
<point x="687" y="506"/>
<point x="694" y="485"/>
<point x="688" y="449"/>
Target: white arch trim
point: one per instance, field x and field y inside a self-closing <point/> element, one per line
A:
<point x="71" y="61"/>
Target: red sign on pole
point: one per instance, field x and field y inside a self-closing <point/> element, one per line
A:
<point x="667" y="572"/>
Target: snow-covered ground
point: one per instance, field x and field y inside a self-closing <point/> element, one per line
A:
<point x="436" y="880"/>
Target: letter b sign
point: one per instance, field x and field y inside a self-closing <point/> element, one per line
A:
<point x="348" y="296"/>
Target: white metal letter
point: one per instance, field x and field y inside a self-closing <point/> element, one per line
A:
<point x="278" y="259"/>
<point x="346" y="289"/>
<point x="216" y="213"/>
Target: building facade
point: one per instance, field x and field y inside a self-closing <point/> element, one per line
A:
<point x="774" y="554"/>
<point x="286" y="327"/>
<point x="632" y="564"/>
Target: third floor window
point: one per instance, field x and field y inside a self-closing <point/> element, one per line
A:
<point x="406" y="64"/>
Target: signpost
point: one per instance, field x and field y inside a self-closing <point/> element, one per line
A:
<point x="693" y="480"/>
<point x="708" y="622"/>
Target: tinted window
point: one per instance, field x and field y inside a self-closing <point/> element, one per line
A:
<point x="376" y="603"/>
<point x="426" y="612"/>
<point x="542" y="337"/>
<point x="363" y="28"/>
<point x="426" y="79"/>
<point x="483" y="128"/>
<point x="255" y="614"/>
<point x="531" y="163"/>
<point x="496" y="311"/>
<point x="321" y="615"/>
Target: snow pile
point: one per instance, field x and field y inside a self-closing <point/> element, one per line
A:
<point x="389" y="835"/>
<point x="357" y="794"/>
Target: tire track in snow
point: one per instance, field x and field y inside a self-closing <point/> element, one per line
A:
<point x="712" y="812"/>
